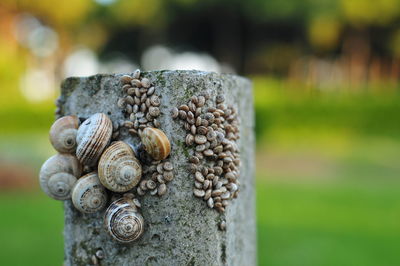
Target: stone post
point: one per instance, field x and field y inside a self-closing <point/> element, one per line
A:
<point x="180" y="229"/>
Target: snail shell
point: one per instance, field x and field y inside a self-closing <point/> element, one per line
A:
<point x="88" y="195"/>
<point x="93" y="136"/>
<point x="119" y="170"/>
<point x="123" y="221"/>
<point x="58" y="175"/>
<point x="156" y="143"/>
<point x="63" y="134"/>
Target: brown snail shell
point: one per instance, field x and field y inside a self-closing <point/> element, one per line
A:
<point x="155" y="143"/>
<point x="63" y="134"/>
<point x="93" y="136"/>
<point x="123" y="221"/>
<point x="88" y="195"/>
<point x="119" y="170"/>
<point x="58" y="175"/>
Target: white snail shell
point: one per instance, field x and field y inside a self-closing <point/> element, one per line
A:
<point x="93" y="136"/>
<point x="123" y="221"/>
<point x="63" y="134"/>
<point x="88" y="195"/>
<point x="58" y="175"/>
<point x="119" y="170"/>
<point x="155" y="143"/>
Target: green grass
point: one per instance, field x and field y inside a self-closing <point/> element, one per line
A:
<point x="305" y="224"/>
<point x="298" y="224"/>
<point x="31" y="227"/>
<point x="344" y="212"/>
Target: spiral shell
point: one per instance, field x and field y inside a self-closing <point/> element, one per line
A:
<point x="58" y="175"/>
<point x="123" y="221"/>
<point x="93" y="136"/>
<point x="119" y="170"/>
<point x="88" y="195"/>
<point x="63" y="134"/>
<point x="156" y="143"/>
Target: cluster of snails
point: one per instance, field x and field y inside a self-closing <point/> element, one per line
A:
<point x="140" y="106"/>
<point x="212" y="132"/>
<point x="118" y="170"/>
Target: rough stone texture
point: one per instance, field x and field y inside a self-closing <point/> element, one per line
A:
<point x="180" y="228"/>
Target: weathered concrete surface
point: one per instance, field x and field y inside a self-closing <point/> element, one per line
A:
<point x="180" y="229"/>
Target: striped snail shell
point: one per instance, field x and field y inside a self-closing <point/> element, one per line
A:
<point x="58" y="175"/>
<point x="93" y="136"/>
<point x="63" y="134"/>
<point x="155" y="143"/>
<point x="88" y="195"/>
<point x="119" y="170"/>
<point x="123" y="221"/>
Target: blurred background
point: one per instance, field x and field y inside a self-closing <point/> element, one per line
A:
<point x="326" y="84"/>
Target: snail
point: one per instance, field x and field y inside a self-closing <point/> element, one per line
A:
<point x="93" y="136"/>
<point x="119" y="170"/>
<point x="155" y="143"/>
<point x="63" y="134"/>
<point x="58" y="175"/>
<point x="88" y="195"/>
<point x="123" y="220"/>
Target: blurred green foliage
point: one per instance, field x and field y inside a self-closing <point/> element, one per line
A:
<point x="26" y="118"/>
<point x="357" y="11"/>
<point x="361" y="114"/>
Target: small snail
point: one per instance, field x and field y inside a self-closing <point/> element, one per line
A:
<point x="58" y="175"/>
<point x="93" y="136"/>
<point x="119" y="170"/>
<point x="155" y="143"/>
<point x="88" y="195"/>
<point x="123" y="221"/>
<point x="63" y="134"/>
